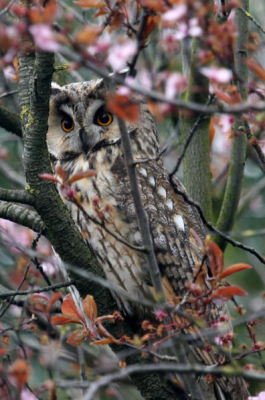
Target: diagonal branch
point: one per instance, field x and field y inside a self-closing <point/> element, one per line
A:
<point x="212" y="228"/>
<point x="22" y="216"/>
<point x="141" y="214"/>
<point x="245" y="106"/>
<point x="17" y="196"/>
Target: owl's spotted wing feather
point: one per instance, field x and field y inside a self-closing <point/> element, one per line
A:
<point x="171" y="221"/>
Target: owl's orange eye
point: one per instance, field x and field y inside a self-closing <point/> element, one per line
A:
<point x="67" y="124"/>
<point x="104" y="118"/>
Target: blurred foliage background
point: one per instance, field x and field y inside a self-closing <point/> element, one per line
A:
<point x="249" y="228"/>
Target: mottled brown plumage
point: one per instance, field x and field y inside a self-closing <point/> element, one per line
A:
<point x="90" y="145"/>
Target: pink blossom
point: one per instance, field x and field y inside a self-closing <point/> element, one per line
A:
<point x="44" y="37"/>
<point x="182" y="31"/>
<point x="48" y="268"/>
<point x="160" y="315"/>
<point x="120" y="54"/>
<point x="224" y="340"/>
<point x="130" y="80"/>
<point x="9" y="72"/>
<point x="27" y="395"/>
<point x="260" y="396"/>
<point x="194" y="29"/>
<point x="100" y="47"/>
<point x="20" y="234"/>
<point x="169" y="41"/>
<point x="176" y="13"/>
<point x="175" y="84"/>
<point x="124" y="91"/>
<point x="217" y="75"/>
<point x="144" y="78"/>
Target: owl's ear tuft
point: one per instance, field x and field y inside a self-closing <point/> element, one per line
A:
<point x="55" y="88"/>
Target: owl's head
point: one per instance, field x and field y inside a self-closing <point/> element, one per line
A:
<point x="79" y="120"/>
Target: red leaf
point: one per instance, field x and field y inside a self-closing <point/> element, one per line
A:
<point x="103" y="341"/>
<point x="81" y="175"/>
<point x="49" y="177"/>
<point x="56" y="296"/>
<point x="256" y="68"/>
<point x="227" y="293"/>
<point x="222" y="95"/>
<point x="77" y="337"/>
<point x="69" y="308"/>
<point x="232" y="269"/>
<point x="61" y="320"/>
<point x="61" y="172"/>
<point x="20" y="371"/>
<point x="193" y="288"/>
<point x="90" y="307"/>
<point x="89" y="3"/>
<point x="89" y="34"/>
<point x="215" y="256"/>
<point x="123" y="107"/>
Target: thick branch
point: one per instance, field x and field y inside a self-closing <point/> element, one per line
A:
<point x="17" y="196"/>
<point x="21" y="216"/>
<point x="196" y="163"/>
<point x="239" y="140"/>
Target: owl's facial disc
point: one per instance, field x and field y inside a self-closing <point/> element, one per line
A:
<point x="97" y="122"/>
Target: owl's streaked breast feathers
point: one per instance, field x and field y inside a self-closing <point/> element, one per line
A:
<point x="81" y="137"/>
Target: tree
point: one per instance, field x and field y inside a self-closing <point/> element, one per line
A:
<point x="212" y="44"/>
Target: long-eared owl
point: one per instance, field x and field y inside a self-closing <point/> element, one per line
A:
<point x="83" y="134"/>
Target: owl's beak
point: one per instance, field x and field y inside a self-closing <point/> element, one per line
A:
<point x="84" y="140"/>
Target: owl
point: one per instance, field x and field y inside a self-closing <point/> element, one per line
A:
<point x="83" y="134"/>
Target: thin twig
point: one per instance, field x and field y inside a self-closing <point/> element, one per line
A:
<point x="103" y="226"/>
<point x="6" y="94"/>
<point x="140" y="32"/>
<point x="56" y="286"/>
<point x="189" y="138"/>
<point x="212" y="228"/>
<point x="6" y="9"/>
<point x="252" y="19"/>
<point x="141" y="214"/>
<point x="36" y="261"/>
<point x="220" y="176"/>
<point x="256" y="146"/>
<point x="19" y="286"/>
<point x="188" y="105"/>
<point x="167" y="367"/>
